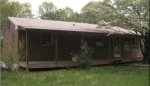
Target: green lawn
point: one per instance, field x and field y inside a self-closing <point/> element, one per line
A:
<point x="97" y="76"/>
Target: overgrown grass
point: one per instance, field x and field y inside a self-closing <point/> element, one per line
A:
<point x="98" y="76"/>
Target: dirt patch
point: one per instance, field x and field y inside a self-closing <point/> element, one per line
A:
<point x="135" y="64"/>
<point x="139" y="65"/>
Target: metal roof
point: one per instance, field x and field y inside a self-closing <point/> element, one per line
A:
<point x="65" y="26"/>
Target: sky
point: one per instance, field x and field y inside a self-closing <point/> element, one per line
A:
<point x="76" y="5"/>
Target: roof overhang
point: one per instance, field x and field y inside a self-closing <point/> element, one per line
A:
<point x="16" y="26"/>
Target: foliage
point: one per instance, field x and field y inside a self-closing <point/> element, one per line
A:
<point x="11" y="56"/>
<point x="89" y="13"/>
<point x="47" y="10"/>
<point x="84" y="58"/>
<point x="96" y="11"/>
<point x="66" y="14"/>
<point x="128" y="14"/>
<point x="103" y="76"/>
<point x="21" y="51"/>
<point x="8" y="55"/>
<point x="14" y="9"/>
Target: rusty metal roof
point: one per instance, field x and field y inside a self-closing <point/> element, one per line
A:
<point x="65" y="26"/>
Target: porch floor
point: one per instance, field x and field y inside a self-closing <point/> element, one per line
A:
<point x="53" y="64"/>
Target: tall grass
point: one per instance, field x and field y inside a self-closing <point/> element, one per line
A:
<point x="102" y="76"/>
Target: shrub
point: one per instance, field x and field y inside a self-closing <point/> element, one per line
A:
<point x="11" y="57"/>
<point x="84" y="58"/>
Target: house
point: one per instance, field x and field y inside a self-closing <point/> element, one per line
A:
<point x="48" y="43"/>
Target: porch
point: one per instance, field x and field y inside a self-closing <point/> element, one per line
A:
<point x="57" y="52"/>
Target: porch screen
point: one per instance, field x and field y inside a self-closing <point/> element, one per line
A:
<point x="46" y="39"/>
<point x="130" y="43"/>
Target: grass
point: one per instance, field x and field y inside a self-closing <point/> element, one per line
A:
<point x="97" y="76"/>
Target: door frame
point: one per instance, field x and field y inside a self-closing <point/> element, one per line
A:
<point x="117" y="47"/>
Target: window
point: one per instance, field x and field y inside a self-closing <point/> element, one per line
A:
<point x="47" y="39"/>
<point x="133" y="42"/>
<point x="99" y="41"/>
<point x="126" y="44"/>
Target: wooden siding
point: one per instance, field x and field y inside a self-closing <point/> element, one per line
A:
<point x="100" y="52"/>
<point x="9" y="30"/>
<point x="68" y="44"/>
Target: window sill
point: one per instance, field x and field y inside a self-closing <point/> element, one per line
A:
<point x="46" y="45"/>
<point x="131" y="50"/>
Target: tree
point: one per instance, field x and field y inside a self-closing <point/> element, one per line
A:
<point x="89" y="13"/>
<point x="70" y="15"/>
<point x="66" y="14"/>
<point x="96" y="11"/>
<point x="47" y="11"/>
<point x="14" y="9"/>
<point x="60" y="15"/>
<point x="4" y="1"/>
<point x="134" y="13"/>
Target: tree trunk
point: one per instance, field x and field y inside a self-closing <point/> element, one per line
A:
<point x="146" y="52"/>
<point x="146" y="59"/>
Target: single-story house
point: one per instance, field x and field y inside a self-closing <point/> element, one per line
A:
<point x="48" y="43"/>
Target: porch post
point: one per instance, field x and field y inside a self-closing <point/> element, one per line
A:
<point x="109" y="48"/>
<point x="130" y="49"/>
<point x="26" y="50"/>
<point x="81" y="40"/>
<point x="56" y="48"/>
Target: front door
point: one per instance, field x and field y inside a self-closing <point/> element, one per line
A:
<point x="117" y="49"/>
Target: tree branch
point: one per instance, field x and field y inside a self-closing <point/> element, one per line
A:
<point x="135" y="10"/>
<point x="147" y="11"/>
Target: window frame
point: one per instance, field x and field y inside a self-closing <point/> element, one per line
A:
<point x="127" y="45"/>
<point x="134" y="43"/>
<point x="51" y="39"/>
<point x="131" y="42"/>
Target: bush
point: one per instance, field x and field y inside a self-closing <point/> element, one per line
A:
<point x="11" y="57"/>
<point x="84" y="58"/>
